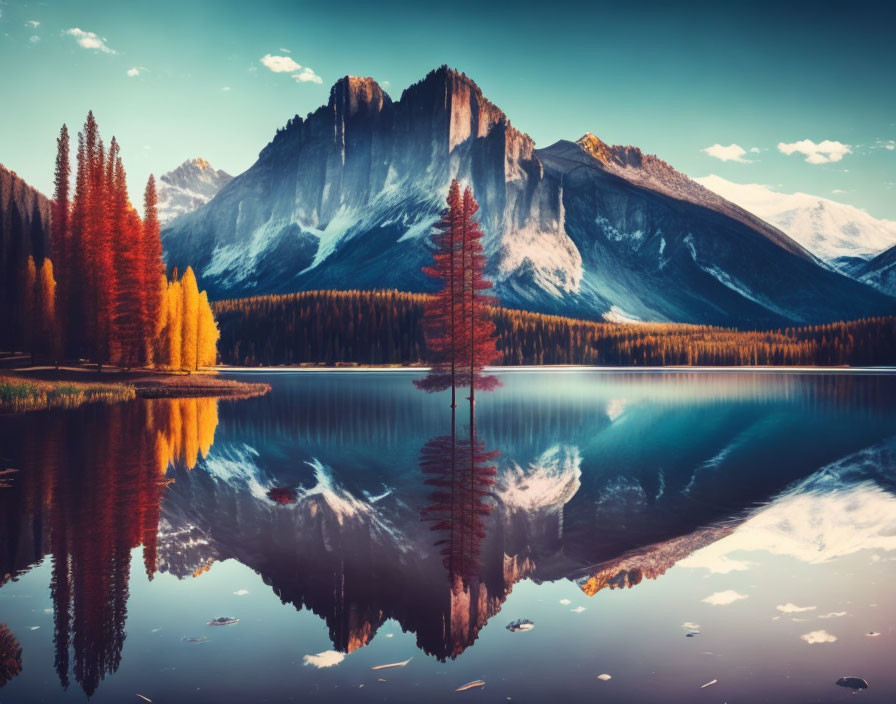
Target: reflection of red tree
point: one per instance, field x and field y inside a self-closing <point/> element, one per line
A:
<point x="462" y="477"/>
<point x="91" y="480"/>
<point x="10" y="655"/>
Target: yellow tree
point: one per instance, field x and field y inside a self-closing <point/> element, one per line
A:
<point x="190" y="318"/>
<point x="174" y="326"/>
<point x="51" y="337"/>
<point x="208" y="333"/>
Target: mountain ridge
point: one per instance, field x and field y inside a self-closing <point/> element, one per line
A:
<point x="346" y="196"/>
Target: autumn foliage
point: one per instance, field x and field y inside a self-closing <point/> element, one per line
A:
<point x="459" y="333"/>
<point x="96" y="293"/>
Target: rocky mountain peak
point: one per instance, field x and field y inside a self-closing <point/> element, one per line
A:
<point x="189" y="186"/>
<point x="354" y="94"/>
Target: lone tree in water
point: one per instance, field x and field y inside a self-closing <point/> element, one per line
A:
<point x="459" y="334"/>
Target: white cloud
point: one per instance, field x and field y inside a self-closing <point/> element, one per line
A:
<point x="833" y="614"/>
<point x="328" y="658"/>
<point x="285" y="51"/>
<point x="226" y="89"/>
<point x="890" y="147"/>
<point x="241" y="592"/>
<point x="755" y="150"/>
<point x="89" y="40"/>
<point x="818" y="637"/>
<point x="34" y="39"/>
<point x="306" y="75"/>
<point x="578" y="609"/>
<point x="135" y="71"/>
<point x="33" y="23"/>
<point x="691" y="626"/>
<point x="729" y="596"/>
<point x="285" y="64"/>
<point x="822" y="153"/>
<point x="280" y="64"/>
<point x="565" y="602"/>
<point x="791" y="608"/>
<point x="732" y="152"/>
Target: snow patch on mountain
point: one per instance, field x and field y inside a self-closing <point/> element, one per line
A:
<point x="825" y="227"/>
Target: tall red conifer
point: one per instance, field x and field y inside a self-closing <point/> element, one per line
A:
<point x="443" y="315"/>
<point x="479" y="333"/>
<point x="459" y="334"/>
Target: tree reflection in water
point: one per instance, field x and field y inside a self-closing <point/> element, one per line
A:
<point x="91" y="492"/>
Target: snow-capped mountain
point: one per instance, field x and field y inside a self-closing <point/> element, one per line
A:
<point x="879" y="272"/>
<point x="346" y="198"/>
<point x="189" y="186"/>
<point x="826" y="228"/>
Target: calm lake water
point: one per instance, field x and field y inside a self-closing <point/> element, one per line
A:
<point x="668" y="529"/>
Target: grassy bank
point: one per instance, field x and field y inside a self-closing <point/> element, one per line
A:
<point x="21" y="394"/>
<point x="38" y="388"/>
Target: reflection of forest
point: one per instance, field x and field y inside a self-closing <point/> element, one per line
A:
<point x="321" y="410"/>
<point x="88" y="493"/>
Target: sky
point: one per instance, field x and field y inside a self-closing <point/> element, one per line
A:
<point x="798" y="98"/>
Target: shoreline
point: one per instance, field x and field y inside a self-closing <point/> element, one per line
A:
<point x="563" y="368"/>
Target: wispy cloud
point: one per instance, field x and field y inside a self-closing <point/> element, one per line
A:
<point x="90" y="40"/>
<point x="135" y="71"/>
<point x="280" y="64"/>
<point x="225" y="89"/>
<point x="791" y="608"/>
<point x="307" y="75"/>
<point x="824" y="152"/>
<point x="733" y="152"/>
<point x="729" y="596"/>
<point x="34" y="39"/>
<point x="285" y="51"/>
<point x="33" y="23"/>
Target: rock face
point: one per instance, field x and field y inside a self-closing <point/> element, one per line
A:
<point x="832" y="231"/>
<point x="191" y="185"/>
<point x="346" y="197"/>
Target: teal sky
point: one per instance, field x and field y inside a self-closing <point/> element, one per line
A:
<point x="672" y="80"/>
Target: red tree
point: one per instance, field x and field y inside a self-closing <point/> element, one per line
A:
<point x="478" y="337"/>
<point x="459" y="333"/>
<point x="443" y="315"/>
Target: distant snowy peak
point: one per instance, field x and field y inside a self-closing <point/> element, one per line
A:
<point x="189" y="186"/>
<point x="825" y="227"/>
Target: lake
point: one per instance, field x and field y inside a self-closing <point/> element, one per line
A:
<point x="716" y="536"/>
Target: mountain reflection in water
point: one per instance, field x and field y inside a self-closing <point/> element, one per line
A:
<point x="363" y="501"/>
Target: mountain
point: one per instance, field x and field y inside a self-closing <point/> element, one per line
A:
<point x="346" y="197"/>
<point x="879" y="272"/>
<point x="24" y="232"/>
<point x="189" y="186"/>
<point x="828" y="229"/>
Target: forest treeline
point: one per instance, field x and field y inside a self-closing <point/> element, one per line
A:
<point x="386" y="327"/>
<point x="84" y="278"/>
